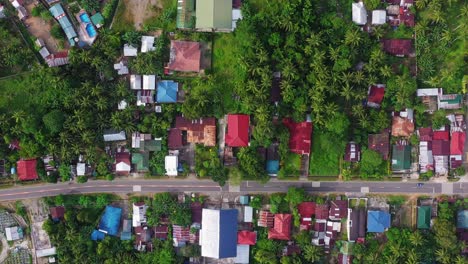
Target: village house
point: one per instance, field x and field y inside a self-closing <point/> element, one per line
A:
<point x="338" y="210"/>
<point x="57" y="213"/>
<point x="356" y="222"/>
<point x="426" y="159"/>
<point x="198" y="131"/>
<point x="380" y="143"/>
<point x="26" y="169"/>
<point x="306" y="210"/>
<point x="398" y="47"/>
<point x="281" y="228"/>
<point x="441" y="150"/>
<point x="265" y="219"/>
<point x="238" y="130"/>
<point x="13" y="233"/>
<point x="434" y="98"/>
<point x="59" y="14"/>
<point x="184" y="56"/>
<point x="379" y="17"/>
<point x="403" y="123"/>
<point x="122" y="164"/>
<point x="139" y="214"/>
<point x="377" y="221"/>
<point x="143" y="145"/>
<point x="171" y="164"/>
<point x="213" y="15"/>
<point x="375" y="95"/>
<point x="359" y="13"/>
<point x="401" y="157"/>
<point x="352" y="152"/>
<point x="167" y="91"/>
<point x="300" y="135"/>
<point x="424" y="217"/>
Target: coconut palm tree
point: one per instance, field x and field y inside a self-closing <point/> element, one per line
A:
<point x="416" y="239"/>
<point x="312" y="253"/>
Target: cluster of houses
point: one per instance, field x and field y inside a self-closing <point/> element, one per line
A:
<point x="397" y="13"/>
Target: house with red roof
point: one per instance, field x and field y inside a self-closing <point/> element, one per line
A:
<point x="122" y="163"/>
<point x="457" y="147"/>
<point x="441" y="150"/>
<point x="246" y="238"/>
<point x="300" y="135"/>
<point x="398" y="47"/>
<point x="199" y="131"/>
<point x="403" y="123"/>
<point x="338" y="209"/>
<point x="321" y="212"/>
<point x="375" y="95"/>
<point x="380" y="143"/>
<point x="282" y="227"/>
<point x="238" y="127"/>
<point x="306" y="211"/>
<point x="57" y="213"/>
<point x="184" y="56"/>
<point x="426" y="159"/>
<point x="266" y="219"/>
<point x="352" y="152"/>
<point x="26" y="170"/>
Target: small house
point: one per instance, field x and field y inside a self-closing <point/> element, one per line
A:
<point x="113" y="135"/>
<point x="450" y="101"/>
<point x="352" y="152"/>
<point x="26" y="170"/>
<point x="266" y="219"/>
<point x="135" y="82"/>
<point x="462" y="219"/>
<point x="121" y="68"/>
<point x="59" y="14"/>
<point x="424" y="217"/>
<point x="429" y="97"/>
<point x="375" y="95"/>
<point x="130" y="51"/>
<point x="57" y="213"/>
<point x="457" y="147"/>
<point x="359" y="13"/>
<point x="185" y="14"/>
<point x="403" y="123"/>
<point x="184" y="56"/>
<point x="139" y="214"/>
<point x="306" y="210"/>
<point x="122" y="163"/>
<point x="379" y="17"/>
<point x="126" y="233"/>
<point x="246" y="238"/>
<point x="338" y="209"/>
<point x="398" y="47"/>
<point x="401" y="158"/>
<point x="147" y="44"/>
<point x="377" y="221"/>
<point x="281" y="228"/>
<point x="380" y="143"/>
<point x="149" y="82"/>
<point x="238" y="127"/>
<point x="300" y="136"/>
<point x="171" y="165"/>
<point x="167" y="91"/>
<point x="13" y="233"/>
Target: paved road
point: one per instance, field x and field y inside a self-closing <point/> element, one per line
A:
<point x="153" y="186"/>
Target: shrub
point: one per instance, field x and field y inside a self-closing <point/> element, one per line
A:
<point x="82" y="179"/>
<point x="56" y="32"/>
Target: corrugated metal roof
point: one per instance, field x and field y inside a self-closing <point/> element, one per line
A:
<point x="214" y="14"/>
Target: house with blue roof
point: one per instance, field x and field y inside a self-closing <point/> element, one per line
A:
<point x="377" y="221"/>
<point x="167" y="91"/>
<point x="462" y="219"/>
<point x="59" y="14"/>
<point x="218" y="234"/>
<point x="110" y="221"/>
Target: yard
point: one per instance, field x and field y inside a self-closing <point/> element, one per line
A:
<point x="136" y="14"/>
<point x="326" y="154"/>
<point x="291" y="166"/>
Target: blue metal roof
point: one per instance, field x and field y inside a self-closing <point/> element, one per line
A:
<point x="59" y="14"/>
<point x="110" y="221"/>
<point x="97" y="235"/>
<point x="272" y="166"/>
<point x="228" y="233"/>
<point x="167" y="92"/>
<point x="462" y="219"/>
<point x="377" y="221"/>
<point x="56" y="10"/>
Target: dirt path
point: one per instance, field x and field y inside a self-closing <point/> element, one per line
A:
<point x="39" y="28"/>
<point x="4" y="253"/>
<point x="141" y="10"/>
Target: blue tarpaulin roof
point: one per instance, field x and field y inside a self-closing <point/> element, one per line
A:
<point x="167" y="92"/>
<point x="110" y="221"/>
<point x="272" y="166"/>
<point x="377" y="221"/>
<point x="97" y="235"/>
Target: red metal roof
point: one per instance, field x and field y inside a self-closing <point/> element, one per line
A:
<point x="175" y="138"/>
<point x="321" y="211"/>
<point x="376" y="94"/>
<point x="425" y="134"/>
<point x="282" y="227"/>
<point x="57" y="212"/>
<point x="338" y="209"/>
<point x="300" y="135"/>
<point x="440" y="148"/>
<point x="399" y="47"/>
<point x="457" y="144"/>
<point x="306" y="209"/>
<point x="182" y="234"/>
<point x="196" y="208"/>
<point x="238" y="131"/>
<point x="441" y="135"/>
<point x="26" y="170"/>
<point x="265" y="219"/>
<point x="246" y="238"/>
<point x="185" y="56"/>
<point x="160" y="232"/>
<point x="380" y="143"/>
<point x="199" y="131"/>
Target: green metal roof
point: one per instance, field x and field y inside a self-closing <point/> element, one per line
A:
<point x="401" y="157"/>
<point x="185" y="13"/>
<point x="141" y="161"/>
<point x="150" y="145"/>
<point x="424" y="217"/>
<point x="214" y="14"/>
<point x="452" y="99"/>
<point x="97" y="19"/>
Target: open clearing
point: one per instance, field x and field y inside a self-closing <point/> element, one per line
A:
<point x="135" y="12"/>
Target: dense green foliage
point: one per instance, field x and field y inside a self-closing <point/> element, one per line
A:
<point x="208" y="163"/>
<point x="14" y="54"/>
<point x="166" y="205"/>
<point x="372" y="164"/>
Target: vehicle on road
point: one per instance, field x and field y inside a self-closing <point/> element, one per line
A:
<point x="420" y="184"/>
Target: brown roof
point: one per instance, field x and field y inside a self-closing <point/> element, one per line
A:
<point x="398" y="47"/>
<point x="425" y="134"/>
<point x="338" y="209"/>
<point x="380" y="143"/>
<point x="440" y="148"/>
<point x="321" y="211"/>
<point x="352" y="152"/>
<point x="185" y="56"/>
<point x="175" y="138"/>
<point x="160" y="232"/>
<point x="402" y="127"/>
<point x="196" y="208"/>
<point x="199" y="131"/>
<point x="57" y="212"/>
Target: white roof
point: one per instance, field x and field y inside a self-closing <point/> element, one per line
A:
<point x="12" y="233"/>
<point x="15" y="3"/>
<point x="242" y="254"/>
<point x="139" y="214"/>
<point x="149" y="82"/>
<point x="114" y="136"/>
<point x="44" y="52"/>
<point x="359" y="13"/>
<point x="135" y="82"/>
<point x="46" y="252"/>
<point x="170" y="163"/>
<point x="130" y="51"/>
<point x="80" y="169"/>
<point x="136" y="138"/>
<point x="379" y="17"/>
<point x="248" y="214"/>
<point x="39" y="41"/>
<point x="236" y="15"/>
<point x="209" y="234"/>
<point x="428" y="92"/>
<point x="122" y="167"/>
<point x="122" y="105"/>
<point x="147" y="43"/>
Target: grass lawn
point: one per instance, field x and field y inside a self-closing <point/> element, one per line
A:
<point x="326" y="154"/>
<point x="226" y="69"/>
<point x="121" y="21"/>
<point x="290" y="167"/>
